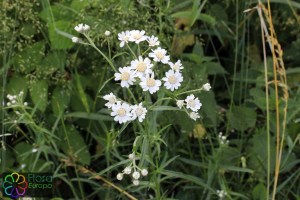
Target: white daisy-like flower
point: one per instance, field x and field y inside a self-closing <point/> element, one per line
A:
<point x="107" y="33"/>
<point x="81" y="28"/>
<point x="193" y="103"/>
<point x="127" y="170"/>
<point x="136" y="175"/>
<point x="120" y="176"/>
<point x="148" y="83"/>
<point x="159" y="55"/>
<point x="206" y="87"/>
<point x="137" y="36"/>
<point x="136" y="182"/>
<point x="75" y="39"/>
<point x="176" y="66"/>
<point x="111" y="98"/>
<point x="124" y="37"/>
<point x="144" y="172"/>
<point x="121" y="112"/>
<point x="152" y="41"/>
<point x="180" y="103"/>
<point x="172" y="80"/>
<point x="138" y="111"/>
<point x="126" y="75"/>
<point x="194" y="115"/>
<point x="131" y="156"/>
<point x="141" y="66"/>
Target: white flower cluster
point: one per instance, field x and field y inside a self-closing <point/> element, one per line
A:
<point x="14" y="99"/>
<point x="80" y="28"/>
<point x="223" y="138"/>
<point x="141" y="70"/>
<point x="222" y="194"/>
<point x="124" y="112"/>
<point x="133" y="170"/>
<point x="193" y="103"/>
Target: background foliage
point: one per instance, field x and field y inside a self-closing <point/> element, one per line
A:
<point x="66" y="120"/>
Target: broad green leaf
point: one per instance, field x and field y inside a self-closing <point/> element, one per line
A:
<point x="17" y="84"/>
<point x="30" y="57"/>
<point x="214" y="68"/>
<point x="259" y="192"/>
<point x="241" y="118"/>
<point x="74" y="145"/>
<point x="39" y="94"/>
<point x="209" y="106"/>
<point x="60" y="100"/>
<point x="57" y="40"/>
<point x="258" y="154"/>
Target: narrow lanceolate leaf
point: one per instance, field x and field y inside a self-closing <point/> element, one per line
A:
<point x="161" y="108"/>
<point x="91" y="116"/>
<point x="193" y="179"/>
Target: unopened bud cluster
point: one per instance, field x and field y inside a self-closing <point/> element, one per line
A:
<point x="132" y="170"/>
<point x="223" y="138"/>
<point x="15" y="99"/>
<point x="222" y="194"/>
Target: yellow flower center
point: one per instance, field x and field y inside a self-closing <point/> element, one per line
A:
<point x="150" y="82"/>
<point x="159" y="55"/>
<point x="141" y="67"/>
<point x="137" y="36"/>
<point x="172" y="79"/>
<point x="125" y="76"/>
<point x="138" y="112"/>
<point x="192" y="103"/>
<point x="121" y="112"/>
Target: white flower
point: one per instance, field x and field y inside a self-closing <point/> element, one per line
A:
<point x="124" y="37"/>
<point x="127" y="170"/>
<point x="194" y="115"/>
<point x="137" y="36"/>
<point x="180" y="103"/>
<point x="176" y="66"/>
<point x="121" y="112"/>
<point x="159" y="55"/>
<point x="136" y="182"/>
<point x="206" y="87"/>
<point x="149" y="83"/>
<point x="86" y="27"/>
<point x="75" y="39"/>
<point x="131" y="156"/>
<point x="126" y="76"/>
<point x="82" y="28"/>
<point x="107" y="33"/>
<point x="221" y="193"/>
<point x="34" y="150"/>
<point x="141" y="66"/>
<point x="193" y="103"/>
<point x="172" y="80"/>
<point x="111" y="98"/>
<point x="144" y="172"/>
<point x="119" y="176"/>
<point x="152" y="41"/>
<point x="136" y="175"/>
<point x="8" y="104"/>
<point x="138" y="111"/>
<point x="25" y="104"/>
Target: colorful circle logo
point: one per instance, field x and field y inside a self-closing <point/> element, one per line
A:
<point x="15" y="185"/>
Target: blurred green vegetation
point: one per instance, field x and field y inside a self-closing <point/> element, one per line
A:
<point x="67" y="122"/>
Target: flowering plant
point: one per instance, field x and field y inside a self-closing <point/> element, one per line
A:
<point x="151" y="73"/>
